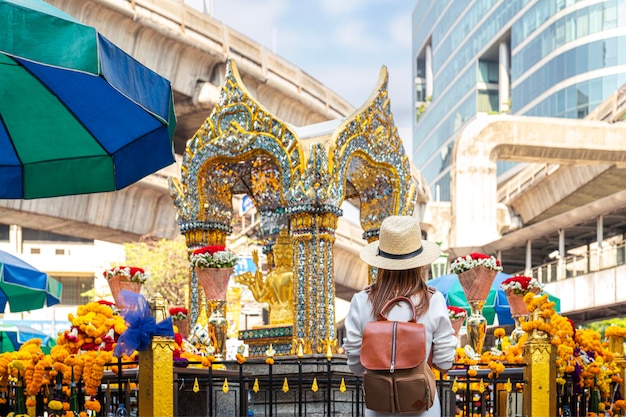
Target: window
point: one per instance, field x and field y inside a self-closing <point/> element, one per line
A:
<point x="43" y="236"/>
<point x="488" y="101"/>
<point x="73" y="287"/>
<point x="4" y="232"/>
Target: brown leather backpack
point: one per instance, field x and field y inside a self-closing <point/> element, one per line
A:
<point x="398" y="377"/>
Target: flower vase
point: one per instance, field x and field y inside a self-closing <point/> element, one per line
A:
<point x="183" y="327"/>
<point x="476" y="282"/>
<point x="517" y="332"/>
<point x="214" y="281"/>
<point x="476" y="326"/>
<point x="516" y="303"/>
<point x="457" y="324"/>
<point x="117" y="283"/>
<point x="218" y="328"/>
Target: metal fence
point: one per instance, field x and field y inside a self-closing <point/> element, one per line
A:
<point x="609" y="256"/>
<point x="309" y="387"/>
<point x="318" y="387"/>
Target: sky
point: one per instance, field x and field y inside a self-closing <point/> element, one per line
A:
<point x="341" y="43"/>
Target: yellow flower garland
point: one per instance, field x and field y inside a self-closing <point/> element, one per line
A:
<point x="600" y="373"/>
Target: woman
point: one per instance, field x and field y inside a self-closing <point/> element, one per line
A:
<point x="400" y="255"/>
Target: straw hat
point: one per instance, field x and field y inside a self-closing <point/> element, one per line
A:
<point x="400" y="245"/>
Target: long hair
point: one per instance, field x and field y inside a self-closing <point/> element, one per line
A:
<point x="390" y="284"/>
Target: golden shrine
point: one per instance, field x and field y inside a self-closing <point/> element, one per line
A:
<point x="243" y="149"/>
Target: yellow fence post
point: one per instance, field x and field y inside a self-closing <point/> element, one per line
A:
<point x="540" y="373"/>
<point x="156" y="378"/>
<point x="616" y="345"/>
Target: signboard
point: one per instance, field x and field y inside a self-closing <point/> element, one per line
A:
<point x="246" y="204"/>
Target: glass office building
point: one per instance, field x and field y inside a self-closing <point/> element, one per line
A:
<point x="554" y="58"/>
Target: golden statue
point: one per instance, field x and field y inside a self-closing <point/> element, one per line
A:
<point x="276" y="288"/>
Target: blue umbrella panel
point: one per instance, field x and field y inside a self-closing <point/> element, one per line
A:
<point x="12" y="337"/>
<point x="24" y="287"/>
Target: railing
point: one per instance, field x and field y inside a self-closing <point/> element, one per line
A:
<point x="484" y="396"/>
<point x="308" y="387"/>
<point x="525" y="179"/>
<point x="575" y="265"/>
<point x="318" y="387"/>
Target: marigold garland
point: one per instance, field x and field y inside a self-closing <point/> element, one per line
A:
<point x="579" y="352"/>
<point x="615" y="331"/>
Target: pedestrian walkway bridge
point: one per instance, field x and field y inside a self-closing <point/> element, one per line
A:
<point x="191" y="49"/>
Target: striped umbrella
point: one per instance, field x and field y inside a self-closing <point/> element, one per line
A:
<point x="24" y="287"/>
<point x="77" y="114"/>
<point x="13" y="336"/>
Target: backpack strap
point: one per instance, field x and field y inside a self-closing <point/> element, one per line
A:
<point x="390" y="303"/>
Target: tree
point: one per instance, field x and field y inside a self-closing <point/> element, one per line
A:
<point x="167" y="263"/>
<point x="600" y="326"/>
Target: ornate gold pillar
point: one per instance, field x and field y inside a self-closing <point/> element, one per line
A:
<point x="371" y="236"/>
<point x="540" y="373"/>
<point x="313" y="234"/>
<point x="156" y="378"/>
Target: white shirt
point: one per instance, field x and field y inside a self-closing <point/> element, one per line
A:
<point x="439" y="335"/>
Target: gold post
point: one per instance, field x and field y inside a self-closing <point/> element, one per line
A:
<point x="540" y="372"/>
<point x="616" y="345"/>
<point x="156" y="378"/>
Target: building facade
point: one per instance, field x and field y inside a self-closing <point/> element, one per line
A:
<point x="552" y="58"/>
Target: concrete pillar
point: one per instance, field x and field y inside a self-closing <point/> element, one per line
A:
<point x="529" y="258"/>
<point x="156" y="378"/>
<point x="561" y="273"/>
<point x="15" y="238"/>
<point x="473" y="190"/>
<point x="504" y="83"/>
<point x="429" y="71"/>
<point x="600" y="235"/>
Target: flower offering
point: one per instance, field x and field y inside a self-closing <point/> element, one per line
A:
<point x="213" y="256"/>
<point x="516" y="288"/>
<point x="476" y="272"/>
<point x="133" y="273"/>
<point x="521" y="285"/>
<point x="178" y="313"/>
<point x="455" y="313"/>
<point x="465" y="263"/>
